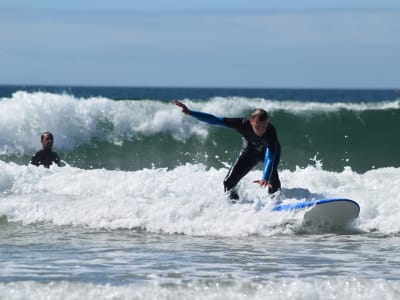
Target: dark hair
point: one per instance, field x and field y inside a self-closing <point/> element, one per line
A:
<point x="46" y="133"/>
<point x="260" y="113"/>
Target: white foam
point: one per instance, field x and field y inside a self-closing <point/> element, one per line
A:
<point x="76" y="121"/>
<point x="188" y="199"/>
<point x="333" y="288"/>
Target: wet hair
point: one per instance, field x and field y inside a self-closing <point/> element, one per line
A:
<point x="259" y="113"/>
<point x="46" y="133"/>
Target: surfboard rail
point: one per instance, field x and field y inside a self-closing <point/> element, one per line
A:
<point x="307" y="204"/>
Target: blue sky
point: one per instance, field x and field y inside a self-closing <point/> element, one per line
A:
<point x="242" y="43"/>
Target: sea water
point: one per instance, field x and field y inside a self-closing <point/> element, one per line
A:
<point x="138" y="211"/>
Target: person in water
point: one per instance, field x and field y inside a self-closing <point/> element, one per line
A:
<point x="46" y="156"/>
<point x="260" y="144"/>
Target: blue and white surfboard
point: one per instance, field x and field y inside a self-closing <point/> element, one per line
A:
<point x="336" y="211"/>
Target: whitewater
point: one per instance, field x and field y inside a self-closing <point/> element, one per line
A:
<point x="187" y="200"/>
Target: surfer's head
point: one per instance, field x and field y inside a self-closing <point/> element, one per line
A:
<point x="47" y="140"/>
<point x="260" y="114"/>
<point x="259" y="121"/>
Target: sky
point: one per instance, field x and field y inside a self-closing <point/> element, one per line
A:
<point x="203" y="43"/>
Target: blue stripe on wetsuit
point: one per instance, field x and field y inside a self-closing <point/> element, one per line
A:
<point x="268" y="163"/>
<point x="208" y="118"/>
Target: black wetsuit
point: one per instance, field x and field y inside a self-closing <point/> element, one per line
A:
<point x="255" y="149"/>
<point x="45" y="158"/>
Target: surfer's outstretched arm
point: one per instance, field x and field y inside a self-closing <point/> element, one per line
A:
<point x="201" y="116"/>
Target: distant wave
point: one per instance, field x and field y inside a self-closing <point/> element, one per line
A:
<point x="339" y="131"/>
<point x="77" y="120"/>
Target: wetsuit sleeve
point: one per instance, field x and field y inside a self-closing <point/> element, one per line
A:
<point x="207" y="118"/>
<point x="268" y="163"/>
<point x="271" y="152"/>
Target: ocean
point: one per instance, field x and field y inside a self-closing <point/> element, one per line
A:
<point x="138" y="210"/>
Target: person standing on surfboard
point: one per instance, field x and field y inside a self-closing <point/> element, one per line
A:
<point x="260" y="144"/>
<point x="46" y="156"/>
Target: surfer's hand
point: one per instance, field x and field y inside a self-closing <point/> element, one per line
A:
<point x="185" y="110"/>
<point x="263" y="183"/>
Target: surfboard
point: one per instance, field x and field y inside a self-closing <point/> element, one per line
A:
<point x="334" y="211"/>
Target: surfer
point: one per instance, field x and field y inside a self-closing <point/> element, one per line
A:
<point x="46" y="156"/>
<point x="260" y="144"/>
